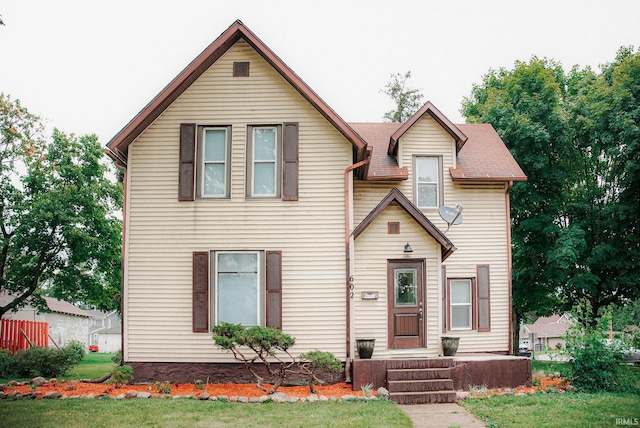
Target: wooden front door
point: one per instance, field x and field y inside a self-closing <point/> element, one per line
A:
<point x="406" y="290"/>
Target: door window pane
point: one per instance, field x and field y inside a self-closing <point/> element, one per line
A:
<point x="406" y="287"/>
<point x="238" y="294"/>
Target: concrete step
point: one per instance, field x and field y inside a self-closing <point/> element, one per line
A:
<point x="429" y="363"/>
<point x="418" y="374"/>
<point x="420" y="385"/>
<point x="423" y="397"/>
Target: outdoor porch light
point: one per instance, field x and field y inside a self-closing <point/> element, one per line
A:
<point x="407" y="248"/>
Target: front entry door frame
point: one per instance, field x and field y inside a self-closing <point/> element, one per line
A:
<point x="406" y="291"/>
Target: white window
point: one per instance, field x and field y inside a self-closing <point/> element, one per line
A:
<point x="460" y="298"/>
<point x="213" y="154"/>
<point x="427" y="181"/>
<point x="238" y="292"/>
<point x="264" y="161"/>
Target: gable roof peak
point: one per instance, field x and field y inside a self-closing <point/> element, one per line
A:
<point x="118" y="146"/>
<point x="428" y="108"/>
<point x="395" y="195"/>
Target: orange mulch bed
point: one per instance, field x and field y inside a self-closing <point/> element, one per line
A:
<point x="539" y="384"/>
<point x="73" y="388"/>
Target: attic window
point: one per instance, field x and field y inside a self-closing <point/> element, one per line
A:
<point x="241" y="69"/>
<point x="393" y="228"/>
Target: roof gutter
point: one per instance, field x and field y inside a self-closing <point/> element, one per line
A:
<point x="349" y="269"/>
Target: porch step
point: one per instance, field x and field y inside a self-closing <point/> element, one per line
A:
<point x="418" y="374"/>
<point x="421" y="381"/>
<point x="424" y="397"/>
<point x="420" y="385"/>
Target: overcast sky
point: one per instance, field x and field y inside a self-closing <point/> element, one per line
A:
<point x="89" y="66"/>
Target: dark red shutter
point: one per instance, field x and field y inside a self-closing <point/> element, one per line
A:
<point x="274" y="289"/>
<point x="484" y="308"/>
<point x="186" y="181"/>
<point x="200" y="292"/>
<point x="445" y="301"/>
<point x="290" y="161"/>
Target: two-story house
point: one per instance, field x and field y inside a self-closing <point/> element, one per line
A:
<point x="249" y="200"/>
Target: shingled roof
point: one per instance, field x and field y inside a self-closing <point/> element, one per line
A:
<point x="482" y="155"/>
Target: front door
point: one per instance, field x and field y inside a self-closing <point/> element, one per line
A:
<point x="406" y="290"/>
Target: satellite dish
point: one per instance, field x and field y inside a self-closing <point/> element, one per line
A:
<point x="451" y="215"/>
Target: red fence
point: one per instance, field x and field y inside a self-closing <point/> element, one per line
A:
<point x="16" y="335"/>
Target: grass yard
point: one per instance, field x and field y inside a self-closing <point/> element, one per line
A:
<point x="83" y="413"/>
<point x="555" y="410"/>
<point x="92" y="366"/>
<point x="559" y="410"/>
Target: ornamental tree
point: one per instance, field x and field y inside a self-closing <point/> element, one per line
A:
<point x="60" y="230"/>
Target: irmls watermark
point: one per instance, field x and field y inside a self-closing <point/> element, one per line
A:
<point x="628" y="422"/>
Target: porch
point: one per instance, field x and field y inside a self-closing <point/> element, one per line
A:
<point x="436" y="380"/>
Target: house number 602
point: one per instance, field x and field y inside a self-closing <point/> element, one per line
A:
<point x="352" y="286"/>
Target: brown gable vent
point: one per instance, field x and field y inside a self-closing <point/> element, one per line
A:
<point x="241" y="69"/>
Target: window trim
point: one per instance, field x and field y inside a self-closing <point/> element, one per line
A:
<point x="261" y="288"/>
<point x="472" y="304"/>
<point x="439" y="183"/>
<point x="200" y="175"/>
<point x="250" y="161"/>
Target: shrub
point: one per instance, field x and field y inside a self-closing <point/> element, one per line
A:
<point x="121" y="375"/>
<point x="117" y="357"/>
<point x="594" y="365"/>
<point x="8" y="365"/>
<point x="311" y="363"/>
<point x="264" y="342"/>
<point x="48" y="362"/>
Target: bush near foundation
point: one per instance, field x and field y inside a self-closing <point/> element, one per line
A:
<point x="37" y="361"/>
<point x="262" y="344"/>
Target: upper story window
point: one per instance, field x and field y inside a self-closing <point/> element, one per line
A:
<point x="428" y="181"/>
<point x="213" y="159"/>
<point x="264" y="161"/>
<point x="272" y="162"/>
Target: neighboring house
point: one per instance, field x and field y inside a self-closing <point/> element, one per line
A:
<point x="105" y="331"/>
<point x="549" y="331"/>
<point x="249" y="200"/>
<point x="66" y="321"/>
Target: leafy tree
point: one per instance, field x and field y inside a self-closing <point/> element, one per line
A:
<point x="575" y="221"/>
<point x="407" y="101"/>
<point x="524" y="105"/>
<point x="60" y="233"/>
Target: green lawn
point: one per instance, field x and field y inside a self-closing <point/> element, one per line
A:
<point x="559" y="410"/>
<point x="555" y="410"/>
<point x="93" y="365"/>
<point x="83" y="413"/>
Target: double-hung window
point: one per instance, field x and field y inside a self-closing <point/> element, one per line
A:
<point x="264" y="161"/>
<point x="461" y="304"/>
<point x="428" y="181"/>
<point x="213" y="154"/>
<point x="238" y="296"/>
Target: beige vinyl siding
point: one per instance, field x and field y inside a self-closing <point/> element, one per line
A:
<point x="373" y="248"/>
<point x="164" y="232"/>
<point x="480" y="239"/>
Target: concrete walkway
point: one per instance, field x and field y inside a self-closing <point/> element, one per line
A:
<point x="441" y="415"/>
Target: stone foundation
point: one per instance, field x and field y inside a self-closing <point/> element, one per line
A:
<point x="146" y="372"/>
